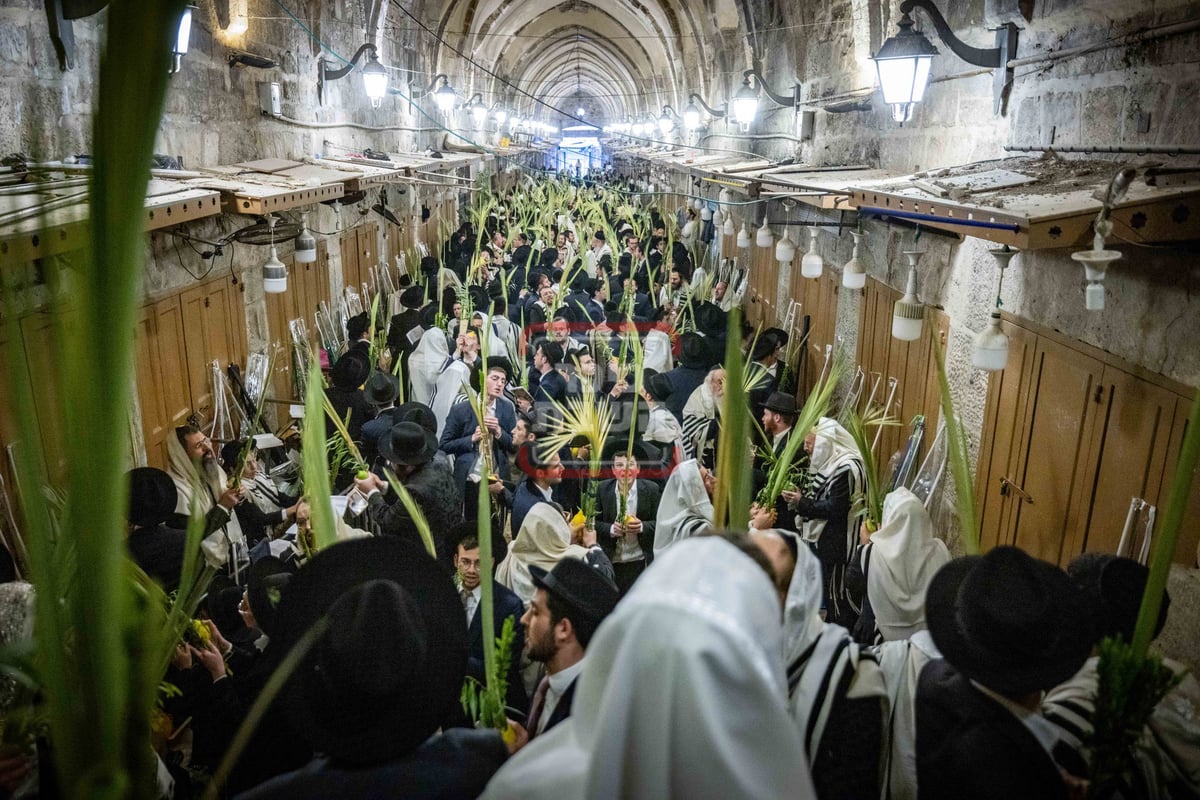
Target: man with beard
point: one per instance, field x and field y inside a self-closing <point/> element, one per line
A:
<point x="569" y="603"/>
<point x="201" y="486"/>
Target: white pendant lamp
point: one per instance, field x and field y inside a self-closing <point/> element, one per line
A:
<point x="764" y="237"/>
<point x="990" y="348"/>
<point x="743" y="239"/>
<point x="854" y="274"/>
<point x="785" y="251"/>
<point x="306" y="244"/>
<point x="812" y="265"/>
<point x="727" y="229"/>
<point x="909" y="311"/>
<point x="274" y="271"/>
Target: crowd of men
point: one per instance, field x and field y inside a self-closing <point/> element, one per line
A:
<point x="652" y="656"/>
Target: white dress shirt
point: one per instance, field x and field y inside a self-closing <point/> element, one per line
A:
<point x="559" y="683"/>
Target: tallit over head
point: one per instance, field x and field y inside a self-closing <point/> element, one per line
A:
<point x="905" y="555"/>
<point x="682" y="694"/>
<point x="834" y="452"/>
<point x="685" y="508"/>
<point x="449" y="387"/>
<point x="544" y="540"/>
<point x="425" y="364"/>
<point x="205" y="484"/>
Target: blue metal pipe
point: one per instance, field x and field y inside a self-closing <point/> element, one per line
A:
<point x="968" y="223"/>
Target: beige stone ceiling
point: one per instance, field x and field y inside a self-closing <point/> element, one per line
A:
<point x="613" y="57"/>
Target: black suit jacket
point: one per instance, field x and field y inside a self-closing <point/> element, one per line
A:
<point x="505" y="604"/>
<point x="968" y="745"/>
<point x="648" y="495"/>
<point x="401" y="324"/>
<point x="561" y="711"/>
<point x="551" y="386"/>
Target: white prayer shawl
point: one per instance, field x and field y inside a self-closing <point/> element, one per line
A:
<point x="905" y="556"/>
<point x="698" y="413"/>
<point x="656" y="351"/>
<point x="544" y="540"/>
<point x="685" y="508"/>
<point x="682" y="695"/>
<point x="497" y="347"/>
<point x="662" y="428"/>
<point x="211" y="485"/>
<point x="449" y="387"/>
<point x="901" y="663"/>
<point x="834" y="453"/>
<point x="506" y="331"/>
<point x="425" y="364"/>
<point x="819" y="655"/>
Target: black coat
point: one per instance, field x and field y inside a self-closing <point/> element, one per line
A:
<point x="159" y="551"/>
<point x="684" y="381"/>
<point x="648" y="495"/>
<point x="968" y="745"/>
<point x="505" y="604"/>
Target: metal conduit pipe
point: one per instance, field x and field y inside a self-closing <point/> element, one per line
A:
<point x="966" y="223"/>
<point x="1160" y="149"/>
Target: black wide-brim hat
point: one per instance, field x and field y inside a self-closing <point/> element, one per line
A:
<point x="642" y="452"/>
<point x="350" y="370"/>
<point x="579" y="586"/>
<point x="408" y="443"/>
<point x="782" y="403"/>
<point x="385" y="675"/>
<point x="1013" y="623"/>
<point x="501" y="363"/>
<point x="381" y="388"/>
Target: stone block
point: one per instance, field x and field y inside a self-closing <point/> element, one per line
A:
<point x="1028" y="127"/>
<point x="1102" y="108"/>
<point x="1061" y="119"/>
<point x="14" y="45"/>
<point x="1150" y="97"/>
<point x="1179" y="124"/>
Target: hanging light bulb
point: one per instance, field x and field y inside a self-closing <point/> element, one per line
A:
<point x="812" y="265"/>
<point x="764" y="237"/>
<point x="725" y="196"/>
<point x="854" y="274"/>
<point x="697" y="204"/>
<point x="1095" y="268"/>
<point x="306" y="244"/>
<point x="706" y="213"/>
<point x="909" y="311"/>
<point x="274" y="271"/>
<point x="743" y="239"/>
<point x="728" y="227"/>
<point x="990" y="348"/>
<point x="785" y="251"/>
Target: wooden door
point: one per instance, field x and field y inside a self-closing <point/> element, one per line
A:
<point x="1189" y="532"/>
<point x="349" y="245"/>
<point x="160" y="364"/>
<point x="368" y="255"/>
<point x="1000" y="446"/>
<point x="206" y="311"/>
<point x="1052" y="477"/>
<point x="1129" y="449"/>
<point x="39" y="336"/>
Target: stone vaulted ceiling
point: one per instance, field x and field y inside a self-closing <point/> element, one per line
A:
<point x="612" y="57"/>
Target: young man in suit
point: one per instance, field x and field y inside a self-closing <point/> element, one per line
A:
<point x="628" y="542"/>
<point x="505" y="605"/>
<point x="569" y="603"/>
<point x="462" y="434"/>
<point x="551" y="385"/>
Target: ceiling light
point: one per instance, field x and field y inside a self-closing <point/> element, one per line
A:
<point x="854" y="274"/>
<point x="306" y="244"/>
<point x="1095" y="268"/>
<point x="812" y="265"/>
<point x="273" y="270"/>
<point x="743" y="239"/>
<point x="785" y="251"/>
<point x="727" y="229"/>
<point x="909" y="311"/>
<point x="764" y="237"/>
<point x="990" y="349"/>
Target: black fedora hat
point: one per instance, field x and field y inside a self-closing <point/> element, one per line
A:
<point x="351" y="369"/>
<point x="265" y="587"/>
<point x="764" y="346"/>
<point x="408" y="443"/>
<point x="412" y="411"/>
<point x="381" y="389"/>
<point x="782" y="403"/>
<point x="412" y="297"/>
<point x="152" y="496"/>
<point x="501" y="363"/>
<point x="579" y="586"/>
<point x="389" y="668"/>
<point x="1013" y="623"/>
<point x="693" y="351"/>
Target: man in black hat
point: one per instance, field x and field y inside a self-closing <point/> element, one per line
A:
<point x="694" y="363"/>
<point x="404" y="330"/>
<point x="569" y="603"/>
<point x="380" y="392"/>
<point x="347" y="376"/>
<point x="777" y="418"/>
<point x="627" y="540"/>
<point x="409" y="450"/>
<point x="155" y="548"/>
<point x="385" y="673"/>
<point x="1009" y="627"/>
<point x="462" y="433"/>
<point x="358" y="334"/>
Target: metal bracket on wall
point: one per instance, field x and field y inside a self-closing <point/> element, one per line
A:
<point x="62" y="34"/>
